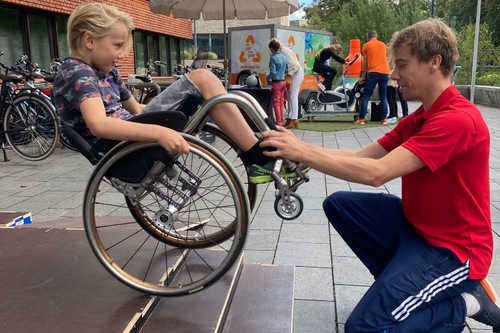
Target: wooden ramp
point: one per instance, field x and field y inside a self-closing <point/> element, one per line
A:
<point x="50" y="281"/>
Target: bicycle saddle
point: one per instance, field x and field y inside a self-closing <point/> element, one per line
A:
<point x="11" y="77"/>
<point x="144" y="79"/>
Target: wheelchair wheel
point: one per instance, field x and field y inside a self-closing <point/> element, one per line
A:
<point x="194" y="217"/>
<point x="229" y="149"/>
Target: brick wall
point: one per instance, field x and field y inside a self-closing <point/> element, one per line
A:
<point x="138" y="9"/>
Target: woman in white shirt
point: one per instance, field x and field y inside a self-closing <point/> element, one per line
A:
<point x="297" y="73"/>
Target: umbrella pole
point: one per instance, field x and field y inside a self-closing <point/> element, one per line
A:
<point x="224" y="35"/>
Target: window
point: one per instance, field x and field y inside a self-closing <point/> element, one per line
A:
<point x="155" y="47"/>
<point x="174" y="53"/>
<point x="11" y="37"/>
<point x="164" y="55"/>
<point x="212" y="43"/>
<point x="41" y="36"/>
<point x="39" y="40"/>
<point x="62" y="42"/>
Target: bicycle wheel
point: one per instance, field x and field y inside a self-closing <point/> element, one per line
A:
<point x="195" y="217"/>
<point x="65" y="141"/>
<point x="31" y="127"/>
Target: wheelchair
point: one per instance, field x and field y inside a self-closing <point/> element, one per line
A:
<point x="172" y="225"/>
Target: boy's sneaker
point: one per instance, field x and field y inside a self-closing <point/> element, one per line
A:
<point x="359" y="122"/>
<point x="383" y="121"/>
<point x="487" y="298"/>
<point x="260" y="174"/>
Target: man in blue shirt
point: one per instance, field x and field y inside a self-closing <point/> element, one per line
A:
<point x="278" y="67"/>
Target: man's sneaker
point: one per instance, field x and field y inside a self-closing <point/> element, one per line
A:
<point x="260" y="174"/>
<point x="359" y="122"/>
<point x="383" y="121"/>
<point x="487" y="298"/>
<point x="392" y="120"/>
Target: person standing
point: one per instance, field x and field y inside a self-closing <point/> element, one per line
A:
<point x="278" y="67"/>
<point x="296" y="71"/>
<point x="320" y="67"/>
<point x="429" y="250"/>
<point x="375" y="72"/>
<point x="393" y="92"/>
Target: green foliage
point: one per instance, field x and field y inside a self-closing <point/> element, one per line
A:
<point x="212" y="56"/>
<point x="466" y="51"/>
<point x="187" y="55"/>
<point x="353" y="19"/>
<point x="489" y="79"/>
<point x="463" y="12"/>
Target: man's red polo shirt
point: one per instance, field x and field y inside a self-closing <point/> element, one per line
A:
<point x="448" y="201"/>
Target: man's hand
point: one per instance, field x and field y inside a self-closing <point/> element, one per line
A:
<point x="286" y="144"/>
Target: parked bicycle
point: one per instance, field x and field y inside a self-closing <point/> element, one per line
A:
<point x="145" y="91"/>
<point x="30" y="72"/>
<point x="30" y="125"/>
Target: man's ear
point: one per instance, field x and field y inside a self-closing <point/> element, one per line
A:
<point x="88" y="40"/>
<point x="435" y="62"/>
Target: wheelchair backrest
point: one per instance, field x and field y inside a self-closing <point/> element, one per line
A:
<point x="175" y="120"/>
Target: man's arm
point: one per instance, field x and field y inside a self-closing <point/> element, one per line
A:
<point x="364" y="68"/>
<point x="371" y="165"/>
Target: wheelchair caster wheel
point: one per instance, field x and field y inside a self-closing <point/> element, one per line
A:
<point x="290" y="210"/>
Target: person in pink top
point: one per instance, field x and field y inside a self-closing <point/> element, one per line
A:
<point x="429" y="250"/>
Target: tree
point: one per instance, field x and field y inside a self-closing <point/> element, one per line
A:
<point x="466" y="49"/>
<point x="355" y="18"/>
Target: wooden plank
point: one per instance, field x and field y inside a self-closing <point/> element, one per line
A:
<point x="50" y="281"/>
<point x="196" y="313"/>
<point x="263" y="300"/>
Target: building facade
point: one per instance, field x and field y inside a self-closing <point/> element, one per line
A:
<point x="37" y="28"/>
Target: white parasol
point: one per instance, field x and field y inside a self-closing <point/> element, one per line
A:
<point x="224" y="10"/>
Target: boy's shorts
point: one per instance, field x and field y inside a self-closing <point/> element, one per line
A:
<point x="182" y="95"/>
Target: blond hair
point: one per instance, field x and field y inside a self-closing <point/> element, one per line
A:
<point x="426" y="39"/>
<point x="97" y="18"/>
<point x="335" y="48"/>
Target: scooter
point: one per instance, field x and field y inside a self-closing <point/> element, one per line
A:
<point x="340" y="96"/>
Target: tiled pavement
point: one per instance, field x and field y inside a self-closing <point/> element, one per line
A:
<point x="329" y="279"/>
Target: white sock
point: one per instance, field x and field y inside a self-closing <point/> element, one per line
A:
<point x="471" y="304"/>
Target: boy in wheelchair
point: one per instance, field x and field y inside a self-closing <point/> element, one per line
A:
<point x="91" y="97"/>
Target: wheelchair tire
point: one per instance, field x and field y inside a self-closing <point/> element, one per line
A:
<point x="185" y="216"/>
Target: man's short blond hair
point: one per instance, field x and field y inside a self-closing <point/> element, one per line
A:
<point x="97" y="18"/>
<point x="426" y="39"/>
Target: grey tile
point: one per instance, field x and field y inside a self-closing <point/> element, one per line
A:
<point x="314" y="317"/>
<point x="314" y="284"/>
<point x="303" y="254"/>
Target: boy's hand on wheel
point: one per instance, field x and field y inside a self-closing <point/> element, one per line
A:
<point x="173" y="141"/>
